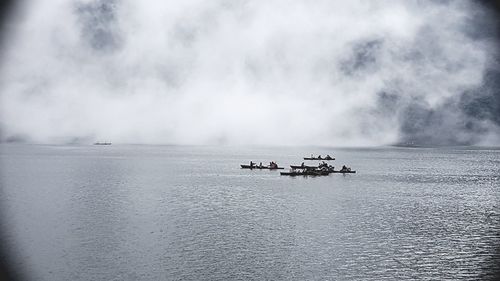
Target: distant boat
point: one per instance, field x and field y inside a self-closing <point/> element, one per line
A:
<point x="319" y="158"/>
<point x="102" y="143"/>
<point x="320" y="170"/>
<point x="344" y="171"/>
<point x="302" y="167"/>
<point x="261" y="167"/>
<point x="306" y="173"/>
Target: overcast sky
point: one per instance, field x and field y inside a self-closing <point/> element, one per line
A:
<point x="250" y="72"/>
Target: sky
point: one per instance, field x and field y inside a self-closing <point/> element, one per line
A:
<point x="337" y="73"/>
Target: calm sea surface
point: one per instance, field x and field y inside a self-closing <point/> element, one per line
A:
<point x="130" y="212"/>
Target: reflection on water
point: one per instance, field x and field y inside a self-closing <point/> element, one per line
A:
<point x="189" y="213"/>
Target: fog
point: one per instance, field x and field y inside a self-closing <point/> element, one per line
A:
<point x="342" y="73"/>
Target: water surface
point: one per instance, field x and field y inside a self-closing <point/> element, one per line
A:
<point x="131" y="212"/>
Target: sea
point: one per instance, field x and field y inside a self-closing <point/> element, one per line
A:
<point x="145" y="212"/>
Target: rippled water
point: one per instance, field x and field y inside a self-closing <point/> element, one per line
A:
<point x="190" y="213"/>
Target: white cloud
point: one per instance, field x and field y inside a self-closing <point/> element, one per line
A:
<point x="272" y="72"/>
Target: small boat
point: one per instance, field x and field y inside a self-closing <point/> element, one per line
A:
<point x="261" y="167"/>
<point x="302" y="167"/>
<point x="102" y="143"/>
<point x="319" y="158"/>
<point x="323" y="166"/>
<point x="344" y="172"/>
<point x="305" y="173"/>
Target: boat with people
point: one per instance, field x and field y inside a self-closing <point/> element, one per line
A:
<point x="305" y="172"/>
<point x="327" y="158"/>
<point x="102" y="143"/>
<point x="323" y="169"/>
<point x="263" y="167"/>
<point x="272" y="166"/>
<point x="301" y="166"/>
<point x="344" y="170"/>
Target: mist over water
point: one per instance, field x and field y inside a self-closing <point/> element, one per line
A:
<point x="251" y="72"/>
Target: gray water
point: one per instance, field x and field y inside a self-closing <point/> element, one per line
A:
<point x="126" y="212"/>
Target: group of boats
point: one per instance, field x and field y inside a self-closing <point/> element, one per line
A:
<point x="322" y="169"/>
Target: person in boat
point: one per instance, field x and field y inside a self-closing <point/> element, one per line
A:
<point x="319" y="156"/>
<point x="344" y="168"/>
<point x="260" y="164"/>
<point x="251" y="164"/>
<point x="302" y="165"/>
<point x="328" y="157"/>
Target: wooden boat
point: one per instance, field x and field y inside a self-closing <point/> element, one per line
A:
<point x="260" y="167"/>
<point x="319" y="158"/>
<point x="302" y="167"/>
<point x="305" y="173"/>
<point x="344" y="171"/>
<point x="312" y="168"/>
